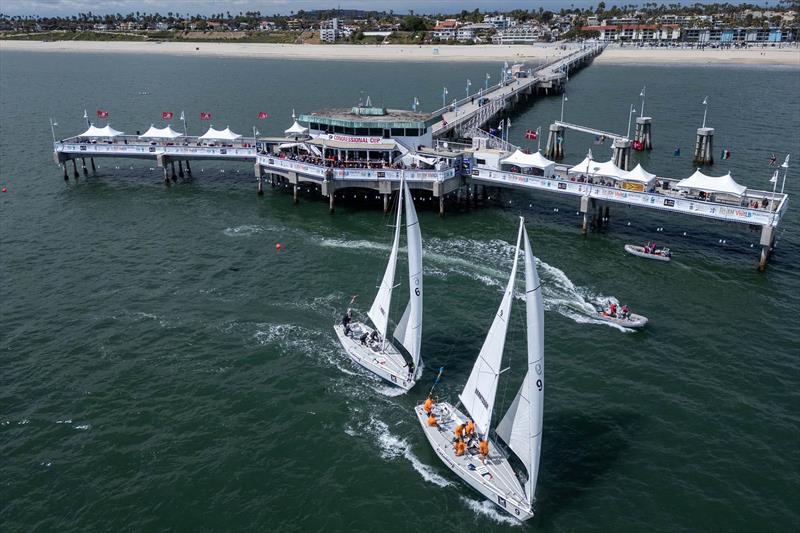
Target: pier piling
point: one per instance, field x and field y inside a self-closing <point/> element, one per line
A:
<point x="94" y="168"/>
<point x="188" y="168"/>
<point x="166" y="177"/>
<point x="644" y="132"/>
<point x="585" y="211"/>
<point x="385" y="203"/>
<point x="331" y="206"/>
<point x="64" y="166"/>
<point x="555" y="143"/>
<point x="767" y="242"/>
<point x="622" y="153"/>
<point x="83" y="165"/>
<point x="296" y="192"/>
<point x="441" y="205"/>
<point x="180" y="168"/>
<point x="172" y="170"/>
<point x="75" y="169"/>
<point x="704" y="147"/>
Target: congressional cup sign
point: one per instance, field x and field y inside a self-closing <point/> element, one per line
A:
<point x="354" y="139"/>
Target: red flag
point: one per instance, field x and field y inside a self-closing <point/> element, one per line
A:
<point x="638" y="146"/>
<point x="102" y="114"/>
<point x="167" y="115"/>
<point x="204" y="115"/>
<point x="530" y="134"/>
<point x="262" y="115"/>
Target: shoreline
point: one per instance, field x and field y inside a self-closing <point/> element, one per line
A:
<point x="787" y="56"/>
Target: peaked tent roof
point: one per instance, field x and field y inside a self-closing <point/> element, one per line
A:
<point x="639" y="175"/>
<point x="106" y="132"/>
<point x="722" y="184"/>
<point x="296" y="129"/>
<point x="521" y="159"/>
<point x="608" y="169"/>
<point x="220" y="135"/>
<point x="160" y="133"/>
<point x="582" y="167"/>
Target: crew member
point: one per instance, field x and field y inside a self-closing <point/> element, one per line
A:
<point x="470" y="429"/>
<point x="614" y="310"/>
<point x="460" y="447"/>
<point x="428" y="405"/>
<point x="484" y="448"/>
<point x="432" y="421"/>
<point x="459" y="431"/>
<point x="626" y="312"/>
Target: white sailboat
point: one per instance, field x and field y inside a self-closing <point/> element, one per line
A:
<point x="370" y="347"/>
<point x="520" y="430"/>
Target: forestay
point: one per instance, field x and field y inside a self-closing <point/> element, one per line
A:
<point x="521" y="427"/>
<point x="409" y="329"/>
<point x="479" y="393"/>
<point x="379" y="312"/>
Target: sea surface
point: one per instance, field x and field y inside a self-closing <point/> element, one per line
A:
<point x="164" y="368"/>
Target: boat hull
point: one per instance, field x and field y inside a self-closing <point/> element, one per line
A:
<point x="634" y="322"/>
<point x="638" y="251"/>
<point x="387" y="364"/>
<point x="494" y="479"/>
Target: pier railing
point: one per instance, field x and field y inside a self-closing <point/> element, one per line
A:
<point x="127" y="146"/>
<point x="653" y="200"/>
<point x="383" y="174"/>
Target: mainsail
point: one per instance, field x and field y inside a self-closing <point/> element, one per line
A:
<point x="479" y="393"/>
<point x="521" y="427"/>
<point x="379" y="312"/>
<point x="409" y="329"/>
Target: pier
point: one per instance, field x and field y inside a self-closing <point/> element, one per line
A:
<point x="445" y="153"/>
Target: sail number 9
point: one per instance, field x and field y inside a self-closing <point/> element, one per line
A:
<point x="539" y="384"/>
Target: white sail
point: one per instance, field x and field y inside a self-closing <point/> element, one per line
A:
<point x="379" y="312"/>
<point x="409" y="329"/>
<point x="479" y="393"/>
<point x="521" y="427"/>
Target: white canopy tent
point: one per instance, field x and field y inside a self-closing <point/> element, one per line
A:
<point x="220" y="135"/>
<point x="106" y="132"/>
<point x="296" y="130"/>
<point x="607" y="169"/>
<point x="639" y="175"/>
<point x="534" y="160"/>
<point x="714" y="184"/>
<point x="160" y="133"/>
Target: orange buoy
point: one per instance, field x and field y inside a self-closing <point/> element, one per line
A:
<point x="278" y="247"/>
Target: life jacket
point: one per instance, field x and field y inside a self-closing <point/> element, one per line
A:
<point x="428" y="405"/>
<point x="484" y="447"/>
<point x="432" y="421"/>
<point x="470" y="427"/>
<point x="460" y="447"/>
<point x="459" y="431"/>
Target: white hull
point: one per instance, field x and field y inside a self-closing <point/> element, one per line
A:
<point x="388" y="364"/>
<point x="639" y="252"/>
<point x="495" y="478"/>
<point x="634" y="322"/>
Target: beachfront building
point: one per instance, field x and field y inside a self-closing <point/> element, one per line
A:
<point x="637" y="32"/>
<point x="446" y="30"/>
<point x="522" y="34"/>
<point x="472" y="33"/>
<point x="500" y="22"/>
<point x="329" y="30"/>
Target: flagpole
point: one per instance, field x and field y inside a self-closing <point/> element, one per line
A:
<point x="563" y="99"/>
<point x="183" y="119"/>
<point x="86" y="116"/>
<point x="53" y="130"/>
<point x="538" y="139"/>
<point x="643" y="96"/>
<point x="705" y="110"/>
<point x="630" y="115"/>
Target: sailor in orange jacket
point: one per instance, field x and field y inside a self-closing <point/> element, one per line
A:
<point x="470" y="428"/>
<point x="460" y="447"/>
<point x="459" y="431"/>
<point x="428" y="405"/>
<point x="484" y="448"/>
<point x="432" y="420"/>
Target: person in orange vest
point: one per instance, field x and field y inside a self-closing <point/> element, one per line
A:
<point x="432" y="420"/>
<point x="484" y="447"/>
<point x="461" y="447"/>
<point x="459" y="431"/>
<point x="470" y="428"/>
<point x="428" y="405"/>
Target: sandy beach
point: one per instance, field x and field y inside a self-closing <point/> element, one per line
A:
<point x="447" y="53"/>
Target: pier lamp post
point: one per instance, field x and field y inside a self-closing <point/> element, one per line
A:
<point x="469" y="84"/>
<point x="642" y="95"/>
<point x="54" y="124"/>
<point x="705" y="110"/>
<point x="785" y="167"/>
<point x="564" y="99"/>
<point x="486" y="81"/>
<point x="183" y="119"/>
<point x="444" y="97"/>
<point x="630" y="115"/>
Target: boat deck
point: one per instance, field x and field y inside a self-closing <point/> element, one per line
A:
<point x="387" y="363"/>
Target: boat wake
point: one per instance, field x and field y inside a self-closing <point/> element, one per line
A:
<point x="246" y="230"/>
<point x="392" y="447"/>
<point x="488" y="509"/>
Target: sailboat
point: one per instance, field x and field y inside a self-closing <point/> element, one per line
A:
<point x="520" y="430"/>
<point x="370" y="347"/>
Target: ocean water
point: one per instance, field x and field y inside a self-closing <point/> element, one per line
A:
<point x="163" y="367"/>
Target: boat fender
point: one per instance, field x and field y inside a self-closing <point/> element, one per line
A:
<point x="470" y="466"/>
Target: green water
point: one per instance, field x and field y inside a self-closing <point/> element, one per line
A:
<point x="162" y="367"/>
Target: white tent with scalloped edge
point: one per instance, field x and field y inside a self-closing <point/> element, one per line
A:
<point x="639" y="175"/>
<point x="714" y="184"/>
<point x="160" y="133"/>
<point x="534" y="160"/>
<point x="220" y="135"/>
<point x="296" y="130"/>
<point x="106" y="132"/>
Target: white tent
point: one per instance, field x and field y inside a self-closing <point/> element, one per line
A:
<point x="582" y="167"/>
<point x="296" y="130"/>
<point x="639" y="175"/>
<point x="220" y="135"/>
<point x="106" y="132"/>
<point x="160" y="133"/>
<point x="719" y="184"/>
<point x="607" y="169"/>
<point x="534" y="160"/>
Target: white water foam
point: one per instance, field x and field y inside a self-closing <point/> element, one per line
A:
<point x="246" y="230"/>
<point x="83" y="427"/>
<point x="392" y="447"/>
<point x="489" y="510"/>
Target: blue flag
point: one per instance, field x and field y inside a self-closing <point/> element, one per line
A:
<point x="677" y="151"/>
